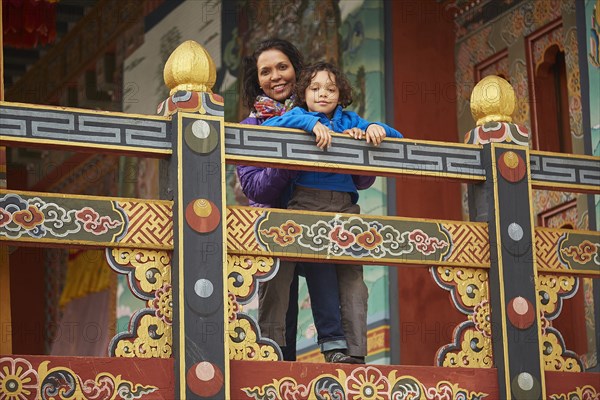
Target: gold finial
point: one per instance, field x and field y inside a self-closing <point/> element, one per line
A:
<point x="190" y="68"/>
<point x="492" y="100"/>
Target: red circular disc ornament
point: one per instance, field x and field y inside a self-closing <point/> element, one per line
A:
<point x="511" y="166"/>
<point x="520" y="312"/>
<point x="205" y="379"/>
<point x="202" y="215"/>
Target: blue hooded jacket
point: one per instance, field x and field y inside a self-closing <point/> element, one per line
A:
<point x="300" y="118"/>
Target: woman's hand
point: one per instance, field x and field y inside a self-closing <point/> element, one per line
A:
<point x="355" y="133"/>
<point x="323" y="135"/>
<point x="375" y="134"/>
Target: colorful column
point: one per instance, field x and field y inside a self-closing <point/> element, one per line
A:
<point x="196" y="178"/>
<point x="505" y="202"/>
<point x="5" y="310"/>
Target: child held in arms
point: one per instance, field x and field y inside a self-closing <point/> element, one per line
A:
<point x="322" y="93"/>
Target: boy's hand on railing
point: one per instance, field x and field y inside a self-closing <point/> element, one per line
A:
<point x="355" y="133"/>
<point x="323" y="135"/>
<point x="375" y="134"/>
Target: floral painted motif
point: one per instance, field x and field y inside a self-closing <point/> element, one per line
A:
<point x="29" y="218"/>
<point x="369" y="239"/>
<point x="363" y="383"/>
<point x="18" y="379"/>
<point x="579" y="393"/>
<point x="163" y="304"/>
<point x="367" y="383"/>
<point x="245" y="342"/>
<point x="63" y="383"/>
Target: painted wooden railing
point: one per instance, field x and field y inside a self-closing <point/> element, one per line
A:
<point x="197" y="262"/>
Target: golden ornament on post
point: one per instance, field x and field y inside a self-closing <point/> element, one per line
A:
<point x="190" y="68"/>
<point x="492" y="100"/>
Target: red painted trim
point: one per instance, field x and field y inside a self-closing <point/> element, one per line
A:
<point x="254" y="374"/>
<point x="156" y="372"/>
<point x="567" y="382"/>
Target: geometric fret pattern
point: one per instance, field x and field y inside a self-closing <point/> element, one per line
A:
<point x="564" y="171"/>
<point x="470" y="242"/>
<point x="546" y="250"/>
<point x="240" y="228"/>
<point x="149" y="223"/>
<point x="78" y="128"/>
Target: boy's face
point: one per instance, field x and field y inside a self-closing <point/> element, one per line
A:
<point x="322" y="95"/>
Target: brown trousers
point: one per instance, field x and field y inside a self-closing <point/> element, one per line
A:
<point x="353" y="291"/>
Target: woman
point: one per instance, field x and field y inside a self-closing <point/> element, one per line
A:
<point x="269" y="81"/>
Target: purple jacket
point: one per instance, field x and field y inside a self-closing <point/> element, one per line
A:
<point x="266" y="187"/>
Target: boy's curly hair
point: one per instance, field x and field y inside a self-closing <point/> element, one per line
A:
<point x="309" y="73"/>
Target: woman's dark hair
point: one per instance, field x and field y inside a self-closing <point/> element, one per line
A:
<point x="309" y="73"/>
<point x="251" y="87"/>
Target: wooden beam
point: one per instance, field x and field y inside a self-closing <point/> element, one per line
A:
<point x="260" y="145"/>
<point x="42" y="219"/>
<point x="358" y="239"/>
<point x="282" y="380"/>
<point x="565" y="172"/>
<point x="567" y="251"/>
<point x="75" y="129"/>
<point x="5" y="309"/>
<point x="114" y="377"/>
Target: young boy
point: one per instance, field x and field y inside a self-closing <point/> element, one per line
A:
<point x="322" y="93"/>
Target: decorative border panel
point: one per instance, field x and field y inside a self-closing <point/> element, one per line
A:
<point x="347" y="237"/>
<point x="245" y="143"/>
<point x="563" y="250"/>
<point x="22" y="124"/>
<point x="85" y="220"/>
<point x="280" y="380"/>
<point x="70" y="378"/>
<point x="557" y="171"/>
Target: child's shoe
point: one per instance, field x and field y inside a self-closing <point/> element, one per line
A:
<point x="359" y="359"/>
<point x="337" y="356"/>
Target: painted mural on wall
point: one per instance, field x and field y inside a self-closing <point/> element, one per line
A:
<point x="592" y="13"/>
<point x="348" y="33"/>
<point x="517" y="43"/>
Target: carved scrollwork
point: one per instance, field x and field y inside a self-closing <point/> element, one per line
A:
<point x="243" y="275"/>
<point x="150" y="329"/>
<point x="552" y="290"/>
<point x="149" y="337"/>
<point x="468" y="286"/>
<point x="244" y="272"/>
<point x="472" y="345"/>
<point x="245" y="344"/>
<point x="146" y="270"/>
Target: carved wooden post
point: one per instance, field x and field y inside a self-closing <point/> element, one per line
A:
<point x="5" y="310"/>
<point x="197" y="175"/>
<point x="504" y="201"/>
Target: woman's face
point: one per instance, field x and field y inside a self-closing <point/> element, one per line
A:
<point x="276" y="74"/>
